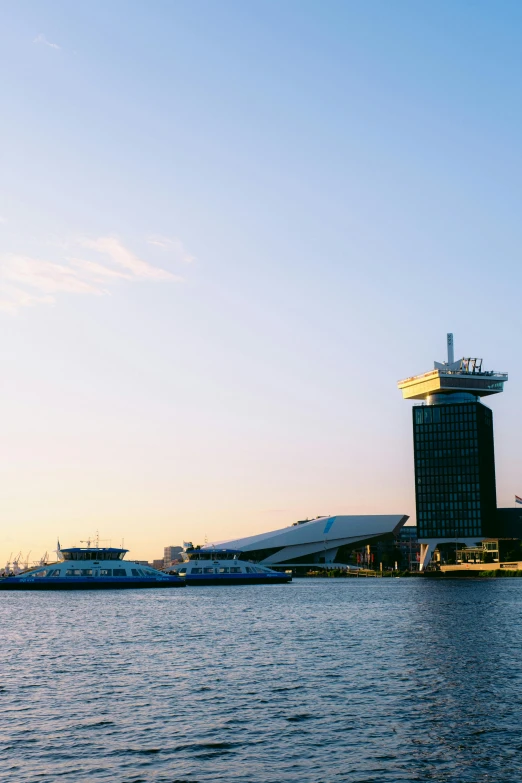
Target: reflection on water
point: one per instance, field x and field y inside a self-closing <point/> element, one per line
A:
<point x="337" y="680"/>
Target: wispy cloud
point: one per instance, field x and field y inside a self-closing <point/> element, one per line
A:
<point x="99" y="271"/>
<point x="41" y="39"/>
<point x="45" y="276"/>
<point x="26" y="281"/>
<point x="174" y="246"/>
<point x="12" y="298"/>
<point x="112" y="247"/>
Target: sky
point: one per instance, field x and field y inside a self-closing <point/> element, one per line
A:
<point x="226" y="231"/>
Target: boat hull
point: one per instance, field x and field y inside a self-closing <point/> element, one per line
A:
<point x="121" y="583"/>
<point x="240" y="579"/>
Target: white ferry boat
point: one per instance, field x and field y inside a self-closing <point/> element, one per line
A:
<point x="90" y="568"/>
<point x="224" y="567"/>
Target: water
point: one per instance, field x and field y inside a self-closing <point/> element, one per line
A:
<point x="319" y="680"/>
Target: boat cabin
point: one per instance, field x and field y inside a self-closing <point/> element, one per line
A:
<point x="213" y="554"/>
<point x="93" y="553"/>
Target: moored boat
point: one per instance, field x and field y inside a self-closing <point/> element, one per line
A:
<point x="90" y="568"/>
<point x="213" y="566"/>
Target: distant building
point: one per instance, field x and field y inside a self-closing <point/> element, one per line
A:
<point x="392" y="552"/>
<point x="408" y="533"/>
<point x="157" y="564"/>
<point x="408" y="545"/>
<point x="170" y="555"/>
<point x="141" y="562"/>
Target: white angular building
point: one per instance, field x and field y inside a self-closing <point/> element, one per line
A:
<point x="317" y="541"/>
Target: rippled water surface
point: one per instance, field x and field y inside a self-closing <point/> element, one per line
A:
<point x="319" y="680"/>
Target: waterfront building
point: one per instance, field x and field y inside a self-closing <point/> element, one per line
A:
<point x="408" y="534"/>
<point x="325" y="541"/>
<point x="397" y="552"/>
<point x="171" y="555"/>
<point x="158" y="564"/>
<point x="455" y="489"/>
<point x="408" y="545"/>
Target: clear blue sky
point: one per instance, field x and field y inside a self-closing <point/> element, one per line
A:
<point x="226" y="230"/>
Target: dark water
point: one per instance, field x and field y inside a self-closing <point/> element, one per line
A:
<point x="353" y="680"/>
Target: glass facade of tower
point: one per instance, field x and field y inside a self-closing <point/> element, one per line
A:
<point x="454" y="470"/>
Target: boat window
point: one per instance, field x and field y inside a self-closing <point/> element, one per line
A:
<point x="235" y="570"/>
<point x="56" y="572"/>
<point x="135" y="572"/>
<point x="106" y="572"/>
<point x="41" y="573"/>
<point x="208" y="570"/>
<point x="119" y="572"/>
<point x="249" y="570"/>
<point x="223" y="570"/>
<point x="73" y="572"/>
<point x="86" y="571"/>
<point x="195" y="571"/>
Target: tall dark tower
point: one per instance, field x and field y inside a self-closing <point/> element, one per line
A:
<point x="455" y="491"/>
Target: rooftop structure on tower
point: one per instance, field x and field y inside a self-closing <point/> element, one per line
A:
<point x="465" y="375"/>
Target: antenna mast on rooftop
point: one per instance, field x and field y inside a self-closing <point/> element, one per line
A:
<point x="451" y="357"/>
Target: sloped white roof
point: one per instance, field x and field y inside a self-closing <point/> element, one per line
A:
<point x="318" y="535"/>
